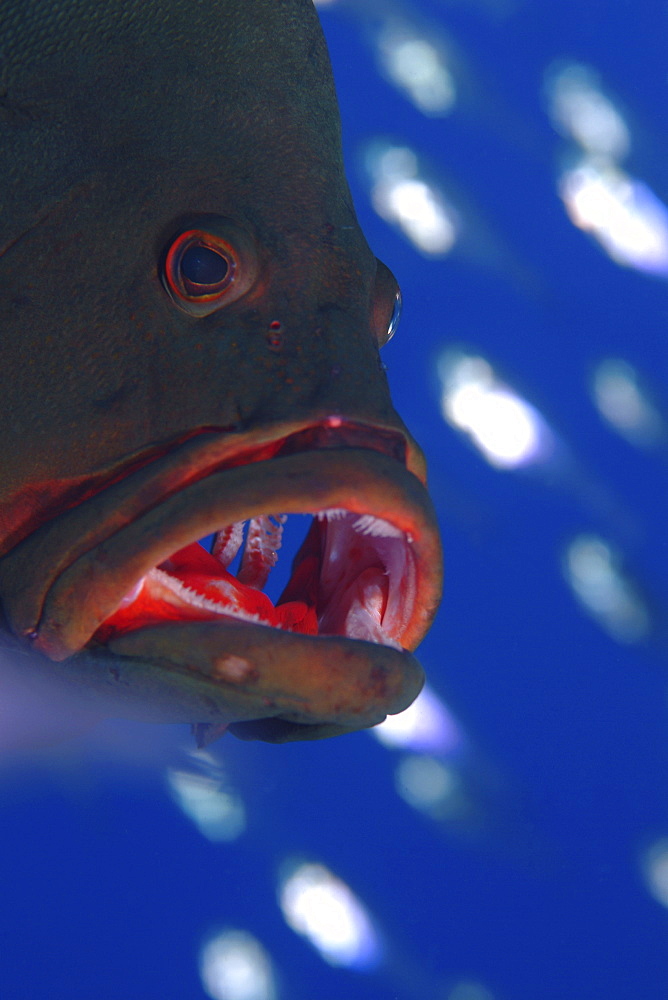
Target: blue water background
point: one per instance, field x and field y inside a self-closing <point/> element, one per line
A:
<point x="536" y="889"/>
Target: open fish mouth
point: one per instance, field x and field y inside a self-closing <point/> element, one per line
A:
<point x="124" y="577"/>
<point x="353" y="576"/>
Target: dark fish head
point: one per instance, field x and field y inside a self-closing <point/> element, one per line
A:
<point x="191" y="322"/>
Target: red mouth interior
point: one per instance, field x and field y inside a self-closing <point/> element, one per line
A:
<point x="352" y="576"/>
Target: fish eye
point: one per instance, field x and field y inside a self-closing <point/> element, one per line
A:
<point x="203" y="268"/>
<point x="387" y="304"/>
<point x="203" y="271"/>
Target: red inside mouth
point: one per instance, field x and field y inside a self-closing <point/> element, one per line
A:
<point x="354" y="575"/>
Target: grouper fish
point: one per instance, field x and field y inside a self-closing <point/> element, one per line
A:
<point x="190" y="325"/>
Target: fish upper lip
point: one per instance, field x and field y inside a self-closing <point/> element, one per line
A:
<point x="72" y="548"/>
<point x="204" y="449"/>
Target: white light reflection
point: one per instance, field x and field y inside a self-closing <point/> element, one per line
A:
<point x="582" y="112"/>
<point x="406" y="199"/>
<point x="431" y="786"/>
<point x="622" y="213"/>
<point x="506" y="429"/>
<point x="233" y="965"/>
<point x="324" y="910"/>
<point x="427" y="725"/>
<point x="417" y="65"/>
<point x="593" y="568"/>
<point x="621" y="401"/>
<point x="655" y="870"/>
<point x="217" y="811"/>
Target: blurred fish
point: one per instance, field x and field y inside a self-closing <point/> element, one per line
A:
<point x="191" y="321"/>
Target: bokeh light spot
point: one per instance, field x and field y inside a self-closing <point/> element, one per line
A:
<point x="324" y="910"/>
<point x="593" y="568"/>
<point x="581" y="111"/>
<point x="507" y="430"/>
<point x="234" y="966"/>
<point x="204" y="797"/>
<point x="426" y="725"/>
<point x="417" y="66"/>
<point x="408" y="200"/>
<point x="428" y="785"/>
<point x="622" y="213"/>
<point x="622" y="402"/>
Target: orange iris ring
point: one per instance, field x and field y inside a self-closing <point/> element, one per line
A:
<point x="176" y="283"/>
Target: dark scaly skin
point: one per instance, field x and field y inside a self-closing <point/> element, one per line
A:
<point x="121" y="123"/>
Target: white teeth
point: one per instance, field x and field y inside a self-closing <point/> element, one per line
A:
<point x="171" y="589"/>
<point x="333" y="514"/>
<point x="367" y="524"/>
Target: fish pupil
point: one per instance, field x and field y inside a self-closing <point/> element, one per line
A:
<point x="203" y="266"/>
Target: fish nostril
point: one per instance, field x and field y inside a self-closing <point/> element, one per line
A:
<point x="275" y="337"/>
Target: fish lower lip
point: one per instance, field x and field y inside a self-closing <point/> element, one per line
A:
<point x="223" y="673"/>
